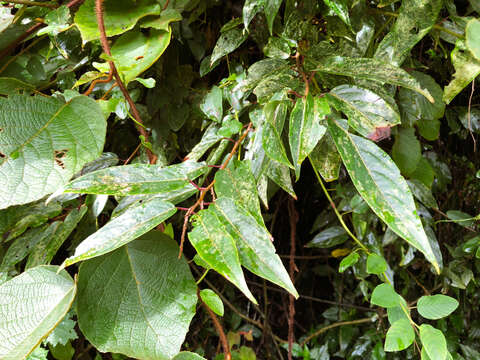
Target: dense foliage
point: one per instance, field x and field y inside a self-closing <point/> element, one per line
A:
<point x="151" y="150"/>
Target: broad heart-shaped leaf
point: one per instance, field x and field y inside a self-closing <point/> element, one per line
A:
<point x="275" y="114"/>
<point x="305" y="129"/>
<point x="368" y="69"/>
<point x="415" y="19"/>
<point x="384" y="295"/>
<point x="217" y="247"/>
<point x="119" y="16"/>
<point x="31" y="305"/>
<point x="137" y="179"/>
<point x="365" y="110"/>
<point x="126" y="227"/>
<point x="433" y="342"/>
<point x="436" y="306"/>
<point x="472" y="37"/>
<point x="44" y="142"/>
<point x="378" y="181"/>
<point x="138" y="300"/>
<point x="466" y="67"/>
<point x="213" y="301"/>
<point x="134" y="52"/>
<point x="400" y="336"/>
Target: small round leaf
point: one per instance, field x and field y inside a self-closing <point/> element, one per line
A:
<point x="213" y="301"/>
<point x="376" y="264"/>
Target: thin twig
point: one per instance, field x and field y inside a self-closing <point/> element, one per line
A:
<point x="469" y="117"/>
<point x="292" y="212"/>
<point x="98" y="81"/>
<point x="106" y="48"/>
<point x="32" y="3"/>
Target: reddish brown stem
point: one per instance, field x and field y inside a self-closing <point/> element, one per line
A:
<point x="292" y="212"/>
<point x="98" y="81"/>
<point x="106" y="48"/>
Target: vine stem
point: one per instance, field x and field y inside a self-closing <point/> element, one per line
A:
<point x="113" y="69"/>
<point x="204" y="191"/>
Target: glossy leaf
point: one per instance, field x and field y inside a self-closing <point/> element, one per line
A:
<point x="433" y="342"/>
<point x="384" y="295"/>
<point x="275" y="114"/>
<point x="415" y="20"/>
<point x="138" y="300"/>
<point x="325" y="159"/>
<point x="280" y="175"/>
<point x="137" y="179"/>
<point x="436" y="306"/>
<point x="212" y="300"/>
<point x="305" y="129"/>
<point x="472" y="37"/>
<point x="271" y="8"/>
<point x="406" y="150"/>
<point x="340" y="8"/>
<point x="376" y="264"/>
<point x="400" y="336"/>
<point x="44" y="142"/>
<point x="32" y="304"/>
<point x="369" y="69"/>
<point x="229" y="41"/>
<point x="379" y="182"/>
<point x="119" y="16"/>
<point x="135" y="52"/>
<point x="163" y="21"/>
<point x="212" y="105"/>
<point x="187" y="355"/>
<point x="365" y="110"/>
<point x="133" y="223"/>
<point x="277" y="48"/>
<point x="250" y="9"/>
<point x="348" y="261"/>
<point x="329" y="237"/>
<point x="422" y="193"/>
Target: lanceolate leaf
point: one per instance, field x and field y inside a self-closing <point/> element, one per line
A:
<point x="379" y="182"/>
<point x="339" y="7"/>
<point x="325" y="158"/>
<point x="119" y="16"/>
<point x="275" y="113"/>
<point x="305" y="129"/>
<point x="271" y="8"/>
<point x="433" y="342"/>
<point x="138" y="300"/>
<point x="137" y="179"/>
<point x="31" y="305"/>
<point x="228" y="42"/>
<point x="44" y="142"/>
<point x="368" y="69"/>
<point x="124" y="228"/>
<point x="365" y="110"/>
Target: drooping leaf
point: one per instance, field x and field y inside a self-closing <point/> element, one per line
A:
<point x="271" y="8"/>
<point x="275" y="114"/>
<point x="227" y="42"/>
<point x="277" y="48"/>
<point x="416" y="18"/>
<point x="472" y="37"/>
<point x="436" y="306"/>
<point x="137" y="179"/>
<point x="325" y="159"/>
<point x="329" y="237"/>
<point x="134" y="52"/>
<point x="365" y="110"/>
<point x="212" y="105"/>
<point x="119" y="16"/>
<point x="433" y="342"/>
<point x="44" y="142"/>
<point x="406" y="150"/>
<point x="305" y="129"/>
<point x="280" y="175"/>
<point x="250" y="9"/>
<point x="348" y="261"/>
<point x="340" y="8"/>
<point x="133" y="223"/>
<point x="466" y="67"/>
<point x="400" y="336"/>
<point x="212" y="300"/>
<point x="32" y="304"/>
<point x="422" y="193"/>
<point x="138" y="300"/>
<point x="163" y="21"/>
<point x="376" y="264"/>
<point x="368" y="69"/>
<point x="384" y="295"/>
<point x="378" y="181"/>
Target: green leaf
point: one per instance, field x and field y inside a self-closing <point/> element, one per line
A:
<point x="436" y="306"/>
<point x="406" y="151"/>
<point x="280" y="175"/>
<point x="38" y="354"/>
<point x="433" y="342"/>
<point x="163" y="22"/>
<point x="227" y="42"/>
<point x="271" y="8"/>
<point x="379" y="182"/>
<point x="398" y="312"/>
<point x="472" y="37"/>
<point x="213" y="301"/>
<point x="187" y="355"/>
<point x="135" y="52"/>
<point x="217" y="246"/>
<point x="467" y="68"/>
<point x="57" y="21"/>
<point x="368" y="69"/>
<point x="250" y="9"/>
<point x="339" y="7"/>
<point x="254" y="244"/>
<point x="332" y="236"/>
<point x="12" y="86"/>
<point x="400" y="336"/>
<point x="376" y="264"/>
<point x="305" y="129"/>
<point x="348" y="261"/>
<point x="277" y="48"/>
<point x="325" y="159"/>
<point x="64" y="332"/>
<point x="126" y="227"/>
<point x="415" y="20"/>
<point x="44" y="142"/>
<point x="32" y="304"/>
<point x="137" y="179"/>
<point x="138" y="300"/>
<point x="365" y="110"/>
<point x="212" y="104"/>
<point x="384" y="295"/>
<point x="275" y="114"/>
<point x="119" y="16"/>
<point x="422" y="193"/>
